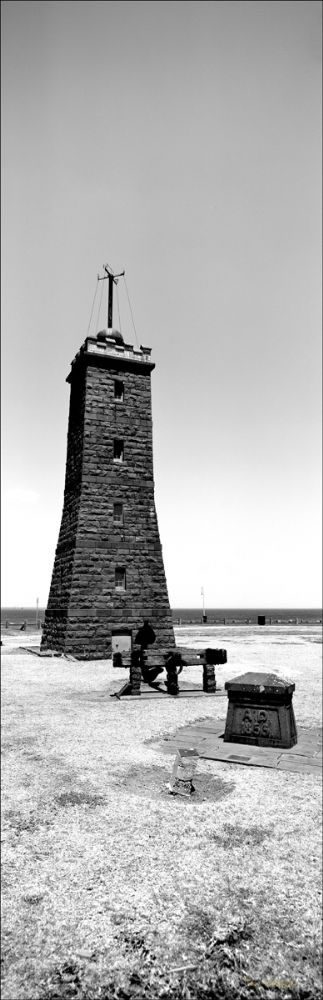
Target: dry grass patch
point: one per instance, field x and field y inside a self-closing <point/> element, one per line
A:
<point x="239" y="836"/>
<point x="79" y="799"/>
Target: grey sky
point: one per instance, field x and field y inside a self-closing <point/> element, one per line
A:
<point x="183" y="141"/>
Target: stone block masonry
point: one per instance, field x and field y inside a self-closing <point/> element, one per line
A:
<point x="108" y="569"/>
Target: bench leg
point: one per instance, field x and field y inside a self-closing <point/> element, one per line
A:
<point x="135" y="674"/>
<point x="172" y="680"/>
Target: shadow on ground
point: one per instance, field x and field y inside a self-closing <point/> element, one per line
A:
<point x="151" y="782"/>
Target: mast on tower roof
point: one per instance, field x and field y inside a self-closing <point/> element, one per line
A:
<point x="113" y="280"/>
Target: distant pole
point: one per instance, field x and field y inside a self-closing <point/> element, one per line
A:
<point x="37" y="603"/>
<point x="204" y="617"/>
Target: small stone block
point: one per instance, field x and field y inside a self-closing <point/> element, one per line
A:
<point x="260" y="711"/>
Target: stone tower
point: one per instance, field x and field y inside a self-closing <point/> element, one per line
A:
<point x="108" y="569"/>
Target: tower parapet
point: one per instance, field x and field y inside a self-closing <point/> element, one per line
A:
<point x="109" y="344"/>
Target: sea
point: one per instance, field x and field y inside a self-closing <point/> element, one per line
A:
<point x="33" y="618"/>
<point x="247" y="616"/>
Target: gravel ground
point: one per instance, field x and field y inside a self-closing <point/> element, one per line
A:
<point x="111" y="884"/>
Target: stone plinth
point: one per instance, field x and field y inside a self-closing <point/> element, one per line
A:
<point x="260" y="711"/>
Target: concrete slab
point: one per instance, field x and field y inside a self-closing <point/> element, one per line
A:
<point x="299" y="764"/>
<point x="187" y="690"/>
<point x="213" y="727"/>
<point x="238" y="758"/>
<point x="300" y="758"/>
<point x="254" y="761"/>
<point x="304" y="758"/>
<point x="189" y="693"/>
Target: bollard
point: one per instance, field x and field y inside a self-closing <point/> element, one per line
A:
<point x="184" y="767"/>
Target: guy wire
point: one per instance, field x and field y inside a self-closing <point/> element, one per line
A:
<point x="94" y="297"/>
<point x="118" y="308"/>
<point x="133" y="322"/>
<point x="99" y="309"/>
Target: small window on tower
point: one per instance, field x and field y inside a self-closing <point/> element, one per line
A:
<point x="118" y="513"/>
<point x="119" y="390"/>
<point x="118" y="450"/>
<point x="120" y="578"/>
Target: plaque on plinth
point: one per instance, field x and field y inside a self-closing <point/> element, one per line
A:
<point x="260" y="711"/>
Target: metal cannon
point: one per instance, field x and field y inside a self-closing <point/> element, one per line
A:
<point x="146" y="666"/>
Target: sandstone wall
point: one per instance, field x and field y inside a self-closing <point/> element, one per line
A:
<point x="83" y="602"/>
